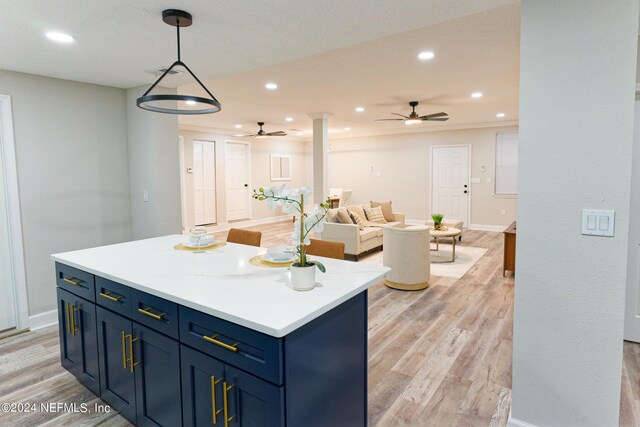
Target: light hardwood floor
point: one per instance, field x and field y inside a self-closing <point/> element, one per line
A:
<point x="439" y="357"/>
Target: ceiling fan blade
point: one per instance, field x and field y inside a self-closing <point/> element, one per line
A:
<point x="401" y="115"/>
<point x="444" y="119"/>
<point x="248" y="135"/>
<point x="277" y="133"/>
<point x="429" y="116"/>
<point x="381" y="120"/>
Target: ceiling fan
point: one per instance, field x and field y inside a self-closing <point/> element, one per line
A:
<point x="262" y="134"/>
<point x="414" y="118"/>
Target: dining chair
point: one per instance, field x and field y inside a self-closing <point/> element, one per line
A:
<point x="326" y="249"/>
<point x="244" y="237"/>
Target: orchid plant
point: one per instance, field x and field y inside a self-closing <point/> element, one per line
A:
<point x="292" y="200"/>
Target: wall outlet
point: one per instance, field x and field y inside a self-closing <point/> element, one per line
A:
<point x="145" y="195"/>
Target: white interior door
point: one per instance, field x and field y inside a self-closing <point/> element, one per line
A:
<point x="450" y="182"/>
<point x="8" y="314"/>
<point x="237" y="176"/>
<point x="632" y="306"/>
<point x="204" y="182"/>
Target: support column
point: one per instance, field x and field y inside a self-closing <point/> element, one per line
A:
<point x="577" y="89"/>
<point x="320" y="156"/>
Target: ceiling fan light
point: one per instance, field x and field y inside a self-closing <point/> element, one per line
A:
<point x="412" y="121"/>
<point x="261" y="136"/>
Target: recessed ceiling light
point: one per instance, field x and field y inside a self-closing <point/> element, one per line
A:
<point x="426" y="55"/>
<point x="238" y="126"/>
<point x="289" y="119"/>
<point x="476" y="95"/>
<point x="59" y="37"/>
<point x="347" y="129"/>
<point x="500" y="115"/>
<point x="190" y="102"/>
<point x="299" y="134"/>
<point x="238" y="134"/>
<point x="271" y="86"/>
<point x="359" y="109"/>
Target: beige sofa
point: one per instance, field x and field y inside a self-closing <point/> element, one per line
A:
<point x="358" y="241"/>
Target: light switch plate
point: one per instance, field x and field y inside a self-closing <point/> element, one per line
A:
<point x="598" y="222"/>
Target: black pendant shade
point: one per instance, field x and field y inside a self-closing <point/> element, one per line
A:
<point x="201" y="105"/>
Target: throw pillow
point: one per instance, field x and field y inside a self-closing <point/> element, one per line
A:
<point x="357" y="210"/>
<point x="375" y="214"/>
<point x="357" y="220"/>
<point x="387" y="211"/>
<point x="344" y="217"/>
<point x="332" y="215"/>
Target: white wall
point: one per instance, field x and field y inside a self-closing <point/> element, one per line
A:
<point x="71" y="149"/>
<point x="153" y="166"/>
<point x="577" y="85"/>
<point x="261" y="150"/>
<point x="403" y="161"/>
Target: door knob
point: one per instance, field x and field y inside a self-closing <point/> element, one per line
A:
<point x="246" y="185"/>
<point x="465" y="191"/>
<point x="465" y="186"/>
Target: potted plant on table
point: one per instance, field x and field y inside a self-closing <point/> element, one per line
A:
<point x="292" y="200"/>
<point x="437" y="221"/>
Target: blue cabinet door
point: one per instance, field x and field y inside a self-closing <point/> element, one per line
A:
<point x="202" y="378"/>
<point x="156" y="361"/>
<point x="79" y="339"/>
<point x="117" y="385"/>
<point x="250" y="401"/>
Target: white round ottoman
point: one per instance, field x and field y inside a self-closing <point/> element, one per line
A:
<point x="406" y="252"/>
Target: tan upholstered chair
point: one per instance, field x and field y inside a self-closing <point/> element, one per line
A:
<point x="326" y="249"/>
<point x="407" y="254"/>
<point x="244" y="237"/>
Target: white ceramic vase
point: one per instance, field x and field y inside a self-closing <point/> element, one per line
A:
<point x="303" y="278"/>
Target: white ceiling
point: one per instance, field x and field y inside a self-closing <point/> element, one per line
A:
<point x="326" y="55"/>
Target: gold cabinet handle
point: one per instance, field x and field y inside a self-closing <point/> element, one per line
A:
<point x="124" y="352"/>
<point x="71" y="281"/>
<point x="212" y="339"/>
<point x="225" y="404"/>
<point x="132" y="363"/>
<point x="67" y="317"/>
<point x="73" y="320"/>
<point x="108" y="296"/>
<point x="150" y="314"/>
<point x="214" y="410"/>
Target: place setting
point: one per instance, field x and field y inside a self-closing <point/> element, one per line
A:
<point x="199" y="242"/>
<point x="275" y="257"/>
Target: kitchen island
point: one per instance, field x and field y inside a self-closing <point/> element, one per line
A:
<point x="170" y="337"/>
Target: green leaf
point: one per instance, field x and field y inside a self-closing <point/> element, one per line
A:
<point x="320" y="266"/>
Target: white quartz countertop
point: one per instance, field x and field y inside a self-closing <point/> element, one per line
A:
<point x="223" y="283"/>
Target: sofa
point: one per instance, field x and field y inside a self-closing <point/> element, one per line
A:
<point x="357" y="241"/>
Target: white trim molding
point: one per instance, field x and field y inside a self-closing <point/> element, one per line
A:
<point x="8" y="156"/>
<point x="483" y="227"/>
<point x="42" y="320"/>
<point x="513" y="422"/>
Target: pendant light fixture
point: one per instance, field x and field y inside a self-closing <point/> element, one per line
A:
<point x="191" y="104"/>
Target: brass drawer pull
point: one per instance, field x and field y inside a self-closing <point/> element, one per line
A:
<point x="73" y="310"/>
<point x="150" y="314"/>
<point x="68" y="317"/>
<point x="225" y="404"/>
<point x="108" y="296"/>
<point x="214" y="410"/>
<point x="212" y="339"/>
<point x="124" y="352"/>
<point x="132" y="363"/>
<point x="71" y="281"/>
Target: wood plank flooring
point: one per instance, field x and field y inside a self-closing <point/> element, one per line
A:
<point x="440" y="357"/>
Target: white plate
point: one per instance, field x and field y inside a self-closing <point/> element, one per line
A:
<point x="189" y="245"/>
<point x="270" y="258"/>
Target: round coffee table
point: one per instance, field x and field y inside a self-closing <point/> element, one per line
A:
<point x="449" y="232"/>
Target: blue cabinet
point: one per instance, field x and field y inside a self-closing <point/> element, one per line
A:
<point x="140" y="371"/>
<point x="219" y="394"/>
<point x="78" y="338"/>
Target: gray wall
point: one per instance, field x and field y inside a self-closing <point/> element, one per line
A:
<point x="153" y="166"/>
<point x="71" y="149"/>
<point x="577" y="85"/>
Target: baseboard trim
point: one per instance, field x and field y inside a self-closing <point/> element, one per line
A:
<point x="42" y="320"/>
<point x="246" y="224"/>
<point x="483" y="227"/>
<point x="513" y="422"/>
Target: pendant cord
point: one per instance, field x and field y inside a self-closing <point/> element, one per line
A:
<point x="178" y="30"/>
